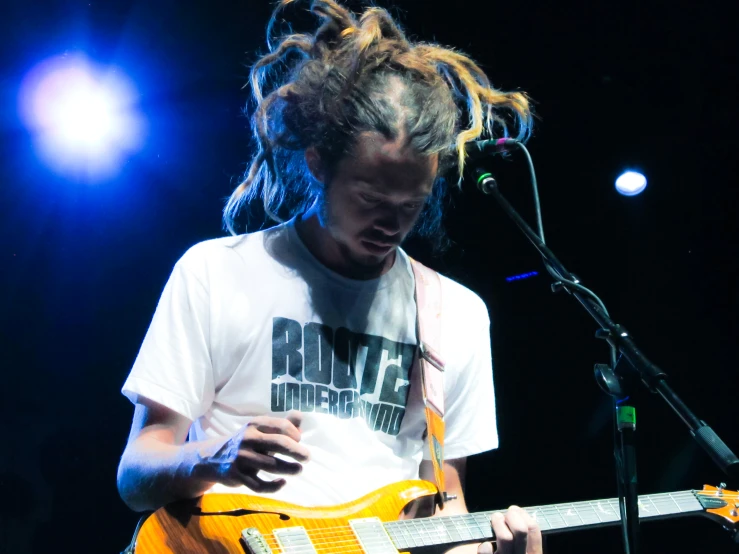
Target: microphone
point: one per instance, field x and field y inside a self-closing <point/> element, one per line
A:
<point x="483" y="148"/>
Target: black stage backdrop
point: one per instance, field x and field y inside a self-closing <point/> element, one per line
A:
<point x="617" y="84"/>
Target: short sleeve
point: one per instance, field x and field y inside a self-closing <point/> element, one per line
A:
<point x="173" y="367"/>
<point x="470" y="418"/>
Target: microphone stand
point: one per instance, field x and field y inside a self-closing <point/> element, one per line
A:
<point x="611" y="379"/>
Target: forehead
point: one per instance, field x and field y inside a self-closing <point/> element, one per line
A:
<point x="391" y="164"/>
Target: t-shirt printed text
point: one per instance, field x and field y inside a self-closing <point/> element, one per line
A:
<point x="339" y="372"/>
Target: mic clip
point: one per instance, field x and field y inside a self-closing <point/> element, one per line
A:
<point x="486" y="183"/>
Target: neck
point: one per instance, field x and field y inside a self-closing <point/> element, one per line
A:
<point x="464" y="528"/>
<point x="314" y="230"/>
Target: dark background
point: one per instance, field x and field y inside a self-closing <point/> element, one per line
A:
<point x="650" y="85"/>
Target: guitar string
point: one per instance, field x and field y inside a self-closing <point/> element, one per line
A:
<point x="422" y="532"/>
<point x="556" y="508"/>
<point x="276" y="544"/>
<point x="321" y="537"/>
<point x="345" y="530"/>
<point x="346" y="533"/>
<point x="543" y="511"/>
<point x="679" y="495"/>
<point x="553" y="509"/>
<point x="410" y="522"/>
<point x="338" y="531"/>
<point x="356" y="546"/>
<point x="329" y="549"/>
<point x="349" y="535"/>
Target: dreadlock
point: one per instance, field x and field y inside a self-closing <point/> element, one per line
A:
<point x="337" y="87"/>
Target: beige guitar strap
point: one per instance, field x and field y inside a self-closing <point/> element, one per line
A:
<point x="428" y="335"/>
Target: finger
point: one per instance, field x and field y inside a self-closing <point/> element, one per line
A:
<point x="250" y="460"/>
<point x="518" y="521"/>
<point x="260" y="485"/>
<point x="295" y="417"/>
<point x="521" y="526"/>
<point x="485" y="548"/>
<point x="534" y="540"/>
<point x="267" y="442"/>
<point x="503" y="535"/>
<point x="276" y="425"/>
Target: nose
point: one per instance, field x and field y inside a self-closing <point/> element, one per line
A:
<point x="388" y="223"/>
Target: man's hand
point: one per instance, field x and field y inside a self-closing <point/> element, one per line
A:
<point x="238" y="460"/>
<point x="516" y="532"/>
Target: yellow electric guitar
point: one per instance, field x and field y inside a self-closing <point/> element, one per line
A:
<point x="229" y="523"/>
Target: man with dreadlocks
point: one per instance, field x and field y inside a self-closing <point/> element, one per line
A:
<point x="287" y="353"/>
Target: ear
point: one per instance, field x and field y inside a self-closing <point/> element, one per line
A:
<point x="315" y="165"/>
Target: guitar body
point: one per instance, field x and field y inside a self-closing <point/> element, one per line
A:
<point x="213" y="523"/>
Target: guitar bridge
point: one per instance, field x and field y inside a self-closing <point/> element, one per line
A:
<point x="254" y="542"/>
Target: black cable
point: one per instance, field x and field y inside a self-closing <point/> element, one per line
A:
<point x="540" y="227"/>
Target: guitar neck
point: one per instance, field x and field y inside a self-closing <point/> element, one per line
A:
<point x="555" y="518"/>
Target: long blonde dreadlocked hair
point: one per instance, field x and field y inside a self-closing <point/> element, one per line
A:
<point x="338" y="87"/>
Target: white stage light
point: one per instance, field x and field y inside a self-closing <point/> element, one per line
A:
<point x="83" y="116"/>
<point x="631" y="183"/>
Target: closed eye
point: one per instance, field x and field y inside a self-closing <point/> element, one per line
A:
<point x="369" y="199"/>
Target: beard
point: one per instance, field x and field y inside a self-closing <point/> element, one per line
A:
<point x="364" y="264"/>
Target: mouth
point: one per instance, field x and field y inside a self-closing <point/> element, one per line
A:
<point x="377" y="248"/>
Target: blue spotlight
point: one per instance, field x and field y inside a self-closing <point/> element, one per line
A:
<point x="631" y="183"/>
<point x="83" y="117"/>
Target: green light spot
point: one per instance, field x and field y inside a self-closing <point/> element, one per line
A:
<point x="626" y="415"/>
<point x="483" y="176"/>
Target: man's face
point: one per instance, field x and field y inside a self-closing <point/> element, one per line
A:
<point x="373" y="199"/>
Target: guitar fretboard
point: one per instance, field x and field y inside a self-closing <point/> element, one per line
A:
<point x="557" y="517"/>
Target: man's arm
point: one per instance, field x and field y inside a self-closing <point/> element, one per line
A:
<point x="515" y="531"/>
<point x="159" y="467"/>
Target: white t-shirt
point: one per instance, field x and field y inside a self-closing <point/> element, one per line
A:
<point x="255" y="325"/>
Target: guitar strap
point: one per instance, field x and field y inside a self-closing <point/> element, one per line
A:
<point x="430" y="364"/>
